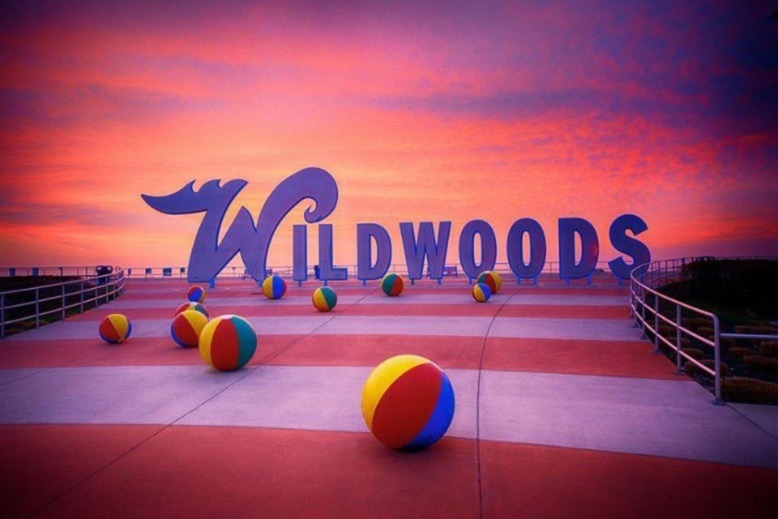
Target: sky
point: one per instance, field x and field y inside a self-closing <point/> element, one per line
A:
<point x="421" y="111"/>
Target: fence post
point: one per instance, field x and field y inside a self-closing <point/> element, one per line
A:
<point x="2" y="315"/>
<point x="678" y="368"/>
<point x="82" y="297"/>
<point x="63" y="301"/>
<point x="37" y="310"/>
<point x="656" y="324"/>
<point x="717" y="360"/>
<point x="643" y="312"/>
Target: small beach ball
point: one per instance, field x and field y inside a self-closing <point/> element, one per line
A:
<point x="408" y="402"/>
<point x="115" y="328"/>
<point x="191" y="305"/>
<point x="274" y="287"/>
<point x="492" y="279"/>
<point x="392" y="285"/>
<point x="481" y="292"/>
<point x="324" y="299"/>
<point x="228" y="342"/>
<point x="196" y="294"/>
<point x="187" y="327"/>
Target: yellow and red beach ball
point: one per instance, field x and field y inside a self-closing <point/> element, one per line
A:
<point x="115" y="328"/>
<point x="408" y="402"/>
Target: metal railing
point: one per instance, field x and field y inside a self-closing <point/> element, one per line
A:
<point x="550" y="268"/>
<point x="650" y="309"/>
<point x="55" y="301"/>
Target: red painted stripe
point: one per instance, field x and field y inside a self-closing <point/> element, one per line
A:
<point x="538" y="481"/>
<point x="407" y="405"/>
<point x="624" y="359"/>
<point x="366" y="309"/>
<point x="283" y="473"/>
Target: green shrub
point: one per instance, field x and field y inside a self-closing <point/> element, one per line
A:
<point x="757" y="329"/>
<point x="666" y="330"/>
<point x="695" y="322"/>
<point x="695" y="353"/>
<point x="749" y="391"/>
<point x="742" y="352"/>
<point x="760" y="363"/>
<point x="769" y="348"/>
<point x="693" y="369"/>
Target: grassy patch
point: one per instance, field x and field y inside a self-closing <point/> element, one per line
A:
<point x="749" y="391"/>
<point x="741" y="294"/>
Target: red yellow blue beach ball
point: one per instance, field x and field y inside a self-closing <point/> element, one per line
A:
<point x="274" y="287"/>
<point x="324" y="299"/>
<point x="228" y="342"/>
<point x="191" y="305"/>
<point x="392" y="284"/>
<point x="492" y="279"/>
<point x="115" y="328"/>
<point x="186" y="328"/>
<point x="408" y="402"/>
<point x="481" y="292"/>
<point x="196" y="294"/>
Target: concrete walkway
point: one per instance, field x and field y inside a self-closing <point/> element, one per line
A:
<point x="554" y="392"/>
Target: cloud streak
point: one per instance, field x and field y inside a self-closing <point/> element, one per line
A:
<point x="494" y="110"/>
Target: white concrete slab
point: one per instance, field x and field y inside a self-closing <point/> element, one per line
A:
<point x="119" y="395"/>
<point x="550" y="328"/>
<point x="654" y="417"/>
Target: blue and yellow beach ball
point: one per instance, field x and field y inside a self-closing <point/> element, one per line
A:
<point x="408" y="402"/>
<point x="196" y="294"/>
<point x="274" y="287"/>
<point x="324" y="299"/>
<point x="191" y="305"/>
<point x="115" y="328"/>
<point x="228" y="342"/>
<point x="492" y="279"/>
<point x="392" y="285"/>
<point x="187" y="327"/>
<point x="481" y="292"/>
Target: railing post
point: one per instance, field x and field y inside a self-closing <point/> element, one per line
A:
<point x="63" y="301"/>
<point x="643" y="312"/>
<point x="678" y="367"/>
<point x="37" y="310"/>
<point x="717" y="360"/>
<point x="82" y="297"/>
<point x="2" y="316"/>
<point x="656" y="324"/>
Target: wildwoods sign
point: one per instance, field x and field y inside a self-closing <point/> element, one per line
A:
<point x="252" y="240"/>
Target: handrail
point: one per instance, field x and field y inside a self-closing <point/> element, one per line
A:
<point x="239" y="271"/>
<point x="81" y="293"/>
<point x="660" y="273"/>
<point x="644" y="280"/>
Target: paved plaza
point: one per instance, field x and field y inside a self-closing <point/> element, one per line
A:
<point x="562" y="410"/>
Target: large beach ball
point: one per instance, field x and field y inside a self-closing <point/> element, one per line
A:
<point x="408" y="402"/>
<point x="492" y="279"/>
<point x="196" y="294"/>
<point x="191" y="305"/>
<point x="274" y="287"/>
<point x="481" y="292"/>
<point x="115" y="328"/>
<point x="228" y="342"/>
<point x="392" y="284"/>
<point x="187" y="327"/>
<point x="324" y="299"/>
